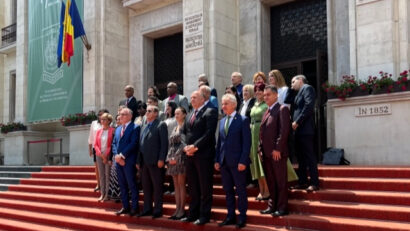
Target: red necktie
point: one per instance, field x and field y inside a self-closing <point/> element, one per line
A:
<point x="193" y="118"/>
<point x="122" y="130"/>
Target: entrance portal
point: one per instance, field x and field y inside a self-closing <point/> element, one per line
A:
<point x="299" y="45"/>
<point x="168" y="63"/>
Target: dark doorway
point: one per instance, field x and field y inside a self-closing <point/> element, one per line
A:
<point x="168" y="63"/>
<point x="298" y="46"/>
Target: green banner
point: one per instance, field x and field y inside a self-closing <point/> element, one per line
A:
<point x="52" y="92"/>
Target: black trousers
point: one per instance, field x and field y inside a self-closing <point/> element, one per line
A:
<point x="199" y="174"/>
<point x="306" y="159"/>
<point x="152" y="185"/>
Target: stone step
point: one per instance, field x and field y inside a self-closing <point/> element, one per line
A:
<point x="9" y="180"/>
<point x="13" y="174"/>
<point x="20" y="168"/>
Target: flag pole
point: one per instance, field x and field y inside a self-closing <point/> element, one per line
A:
<point x="85" y="42"/>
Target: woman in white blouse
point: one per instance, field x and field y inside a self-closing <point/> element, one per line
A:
<point x="276" y="79"/>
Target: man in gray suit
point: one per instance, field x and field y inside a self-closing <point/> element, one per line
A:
<point x="180" y="100"/>
<point x="153" y="151"/>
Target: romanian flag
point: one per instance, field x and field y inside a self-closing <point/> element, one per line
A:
<point x="71" y="27"/>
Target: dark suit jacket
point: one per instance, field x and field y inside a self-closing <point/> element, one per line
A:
<point x="133" y="105"/>
<point x="249" y="108"/>
<point x="274" y="132"/>
<point x="214" y="93"/>
<point x="128" y="143"/>
<point x="202" y="132"/>
<point x="154" y="144"/>
<point x="234" y="147"/>
<point x="304" y="108"/>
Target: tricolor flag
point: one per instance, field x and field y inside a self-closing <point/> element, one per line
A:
<point x="71" y="27"/>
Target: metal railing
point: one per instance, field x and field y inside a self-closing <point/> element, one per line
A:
<point x="8" y="35"/>
<point x="49" y="156"/>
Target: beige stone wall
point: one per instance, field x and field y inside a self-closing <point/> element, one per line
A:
<point x="21" y="60"/>
<point x="9" y="65"/>
<point x="376" y="139"/>
<point x="2" y="9"/>
<point x="382" y="29"/>
<point x="106" y="64"/>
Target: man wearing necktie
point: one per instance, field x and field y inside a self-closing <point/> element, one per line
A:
<point x="232" y="159"/>
<point x="199" y="132"/>
<point x="153" y="151"/>
<point x="273" y="146"/>
<point x="125" y="149"/>
<point x="130" y="101"/>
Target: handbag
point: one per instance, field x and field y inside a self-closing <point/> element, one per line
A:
<point x="335" y="156"/>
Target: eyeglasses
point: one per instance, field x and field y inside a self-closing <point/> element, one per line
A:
<point x="149" y="111"/>
<point x="123" y="114"/>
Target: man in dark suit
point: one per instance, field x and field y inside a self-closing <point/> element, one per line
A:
<point x="199" y="131"/>
<point x="303" y="126"/>
<point x="210" y="101"/>
<point x="153" y="151"/>
<point x="130" y="101"/>
<point x="125" y="148"/>
<point x="232" y="159"/>
<point x="273" y="146"/>
<point x="236" y="79"/>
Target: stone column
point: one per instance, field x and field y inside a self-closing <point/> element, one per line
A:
<point x="106" y="65"/>
<point x="338" y="39"/>
<point x="254" y="39"/>
<point x="382" y="36"/>
<point x="21" y="60"/>
<point x="219" y="54"/>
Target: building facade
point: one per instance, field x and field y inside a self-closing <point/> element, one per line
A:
<point x="152" y="42"/>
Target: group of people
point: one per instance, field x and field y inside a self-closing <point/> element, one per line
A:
<point x="183" y="139"/>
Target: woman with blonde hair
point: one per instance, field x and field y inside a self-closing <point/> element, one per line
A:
<point x="259" y="77"/>
<point x="102" y="146"/>
<point x="276" y="79"/>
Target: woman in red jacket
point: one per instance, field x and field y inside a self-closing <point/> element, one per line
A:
<point x="102" y="146"/>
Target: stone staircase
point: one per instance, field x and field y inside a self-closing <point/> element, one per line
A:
<point x="351" y="198"/>
<point x="12" y="174"/>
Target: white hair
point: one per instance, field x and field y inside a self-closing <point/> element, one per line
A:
<point x="230" y="97"/>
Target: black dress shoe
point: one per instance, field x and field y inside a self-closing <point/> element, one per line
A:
<point x="146" y="213"/>
<point x="299" y="186"/>
<point x="241" y="224"/>
<point x="133" y="212"/>
<point x="201" y="221"/>
<point x="280" y="213"/>
<point x="267" y="211"/>
<point x="188" y="219"/>
<point x="180" y="217"/>
<point x="312" y="188"/>
<point x="122" y="211"/>
<point x="156" y="215"/>
<point x="227" y="221"/>
<point x="173" y="217"/>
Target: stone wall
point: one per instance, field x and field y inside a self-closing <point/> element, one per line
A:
<point x="21" y="60"/>
<point x="106" y="65"/>
<point x="378" y="138"/>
